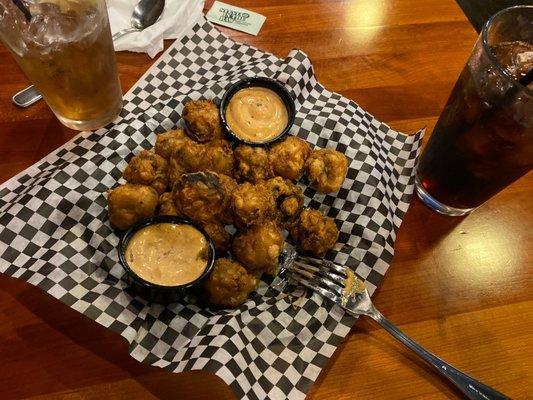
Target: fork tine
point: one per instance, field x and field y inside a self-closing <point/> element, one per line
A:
<point x="326" y="266"/>
<point x="318" y="280"/>
<point x="330" y="266"/>
<point x="316" y="288"/>
<point x="321" y="271"/>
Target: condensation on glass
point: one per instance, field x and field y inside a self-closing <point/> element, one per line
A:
<point x="65" y="49"/>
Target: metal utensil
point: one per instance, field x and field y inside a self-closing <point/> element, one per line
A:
<point x="27" y="97"/>
<point x="145" y="14"/>
<point x="342" y="286"/>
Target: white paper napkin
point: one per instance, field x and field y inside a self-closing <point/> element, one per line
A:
<point x="178" y="16"/>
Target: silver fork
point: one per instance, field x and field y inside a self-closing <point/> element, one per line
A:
<point x="343" y="287"/>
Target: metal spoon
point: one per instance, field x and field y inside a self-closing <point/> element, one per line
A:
<point x="145" y="14"/>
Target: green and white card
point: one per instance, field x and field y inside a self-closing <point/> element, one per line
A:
<point x="235" y="17"/>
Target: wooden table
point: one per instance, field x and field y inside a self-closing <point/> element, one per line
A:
<point x="462" y="287"/>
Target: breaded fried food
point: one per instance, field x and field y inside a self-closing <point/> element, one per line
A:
<point x="176" y="163"/>
<point x="202" y="120"/>
<point x="189" y="156"/>
<point x="167" y="205"/>
<point x="218" y="157"/>
<point x="167" y="142"/>
<point x="229" y="185"/>
<point x="221" y="238"/>
<point x="251" y="164"/>
<point x="148" y="168"/>
<point x="315" y="232"/>
<point x="129" y="203"/>
<point x="202" y="196"/>
<point x="258" y="247"/>
<point x="326" y="169"/>
<point x="229" y="284"/>
<point x="289" y="200"/>
<point x="252" y="204"/>
<point x="288" y="157"/>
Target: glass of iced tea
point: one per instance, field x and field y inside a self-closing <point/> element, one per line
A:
<point x="65" y="49"/>
<point x="483" y="140"/>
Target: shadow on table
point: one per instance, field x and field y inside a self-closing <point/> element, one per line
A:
<point x="434" y="226"/>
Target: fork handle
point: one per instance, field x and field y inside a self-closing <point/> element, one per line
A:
<point x="470" y="387"/>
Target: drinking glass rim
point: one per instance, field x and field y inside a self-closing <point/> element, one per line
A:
<point x="492" y="56"/>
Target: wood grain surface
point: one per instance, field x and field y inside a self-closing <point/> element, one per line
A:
<point x="462" y="287"/>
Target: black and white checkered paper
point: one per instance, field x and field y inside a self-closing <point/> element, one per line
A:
<point x="54" y="231"/>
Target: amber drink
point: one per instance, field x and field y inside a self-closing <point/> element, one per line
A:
<point x="65" y="49"/>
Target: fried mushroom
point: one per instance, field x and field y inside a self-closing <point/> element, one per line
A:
<point x="315" y="232"/>
<point x="189" y="156"/>
<point x="202" y="196"/>
<point x="218" y="157"/>
<point x="148" y="168"/>
<point x="251" y="164"/>
<point x="131" y="203"/>
<point x="167" y="205"/>
<point x="229" y="185"/>
<point x="229" y="284"/>
<point x="288" y="157"/>
<point x="167" y="142"/>
<point x="220" y="237"/>
<point x="289" y="200"/>
<point x="258" y="247"/>
<point x="252" y="204"/>
<point x="326" y="169"/>
<point x="202" y="120"/>
<point x="177" y="165"/>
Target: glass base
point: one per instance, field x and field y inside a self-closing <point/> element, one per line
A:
<point x="436" y="205"/>
<point x="92" y="124"/>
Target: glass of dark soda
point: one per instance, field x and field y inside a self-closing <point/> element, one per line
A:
<point x="483" y="140"/>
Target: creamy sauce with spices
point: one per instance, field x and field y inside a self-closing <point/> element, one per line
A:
<point x="168" y="254"/>
<point x="256" y="114"/>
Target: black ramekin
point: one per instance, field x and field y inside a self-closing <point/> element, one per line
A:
<point x="268" y="83"/>
<point x="151" y="291"/>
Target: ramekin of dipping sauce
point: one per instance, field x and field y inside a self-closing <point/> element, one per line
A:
<point x="165" y="257"/>
<point x="257" y="111"/>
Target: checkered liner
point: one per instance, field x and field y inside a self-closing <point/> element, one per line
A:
<point x="54" y="231"/>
